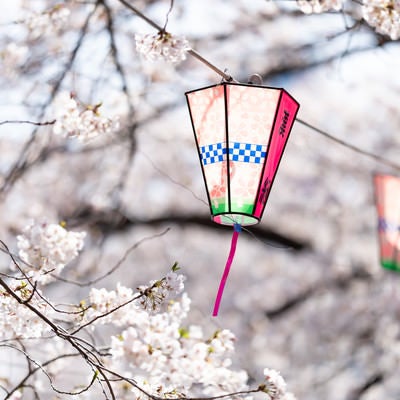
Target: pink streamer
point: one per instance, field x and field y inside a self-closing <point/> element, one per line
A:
<point x="228" y="264"/>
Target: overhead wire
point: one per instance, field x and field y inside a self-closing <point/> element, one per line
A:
<point x="350" y="146"/>
<point x="229" y="78"/>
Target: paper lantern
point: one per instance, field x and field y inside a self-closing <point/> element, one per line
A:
<point x="241" y="131"/>
<point x="387" y="200"/>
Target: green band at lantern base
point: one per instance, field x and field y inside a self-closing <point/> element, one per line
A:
<point x="390" y="264"/>
<point x="236" y="214"/>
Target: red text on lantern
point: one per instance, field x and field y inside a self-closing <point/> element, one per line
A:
<point x="265" y="190"/>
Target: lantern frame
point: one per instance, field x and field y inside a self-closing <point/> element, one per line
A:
<point x="389" y="252"/>
<point x="282" y="127"/>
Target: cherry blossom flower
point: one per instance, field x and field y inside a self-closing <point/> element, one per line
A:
<point x="319" y="6"/>
<point x="47" y="22"/>
<point x="47" y="248"/>
<point x="160" y="291"/>
<point x="74" y="119"/>
<point x="104" y="301"/>
<point x="162" y="46"/>
<point x="18" y="321"/>
<point x="275" y="386"/>
<point x="149" y="299"/>
<point x="384" y="16"/>
<point x="223" y="342"/>
<point x="12" y="57"/>
<point x="173" y="359"/>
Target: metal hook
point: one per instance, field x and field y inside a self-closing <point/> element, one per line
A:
<point x="255" y="79"/>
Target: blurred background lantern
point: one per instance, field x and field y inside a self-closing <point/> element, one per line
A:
<point x="241" y="131"/>
<point x="387" y="200"/>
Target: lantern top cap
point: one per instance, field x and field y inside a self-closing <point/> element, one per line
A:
<point x="249" y="85"/>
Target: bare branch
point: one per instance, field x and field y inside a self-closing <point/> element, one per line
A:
<point x="28" y="122"/>
<point x="118" y="264"/>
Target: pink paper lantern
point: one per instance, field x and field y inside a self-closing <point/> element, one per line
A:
<point x="241" y="131"/>
<point x="387" y="200"/>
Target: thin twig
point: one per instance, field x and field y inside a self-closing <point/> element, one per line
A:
<point x="28" y="122"/>
<point x="21" y="164"/>
<point x="118" y="264"/>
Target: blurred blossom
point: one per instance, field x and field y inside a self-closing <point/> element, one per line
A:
<point x="16" y="395"/>
<point x="74" y="119"/>
<point x="47" y="22"/>
<point x="162" y="46"/>
<point x="319" y="6"/>
<point x="288" y="396"/>
<point x="47" y="248"/>
<point x="384" y="16"/>
<point x="12" y="57"/>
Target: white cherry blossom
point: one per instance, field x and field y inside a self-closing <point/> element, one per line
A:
<point x="319" y="6"/>
<point x="162" y="46"/>
<point x="162" y="290"/>
<point x="16" y="320"/>
<point x="170" y="357"/>
<point x="275" y="386"/>
<point x="75" y="119"/>
<point x="12" y="57"/>
<point x="47" y="22"/>
<point x="47" y="248"/>
<point x="384" y="16"/>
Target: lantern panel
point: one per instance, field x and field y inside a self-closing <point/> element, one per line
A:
<point x="387" y="199"/>
<point x="251" y="112"/>
<point x="284" y="120"/>
<point x="207" y="108"/>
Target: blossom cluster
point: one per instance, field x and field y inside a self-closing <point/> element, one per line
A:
<point x="108" y="303"/>
<point x="12" y="56"/>
<point x="47" y="22"/>
<point x="151" y="344"/>
<point x="319" y="6"/>
<point x="74" y="119"/>
<point x="162" y="46"/>
<point x="384" y="16"/>
<point x="160" y="291"/>
<point x="163" y="355"/>
<point x="46" y="249"/>
<point x="275" y="386"/>
<point x="16" y="320"/>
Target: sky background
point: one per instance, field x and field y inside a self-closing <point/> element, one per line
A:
<point x="339" y="329"/>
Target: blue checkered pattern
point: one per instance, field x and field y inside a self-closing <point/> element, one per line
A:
<point x="384" y="225"/>
<point x="243" y="152"/>
<point x="213" y="153"/>
<point x="247" y="152"/>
